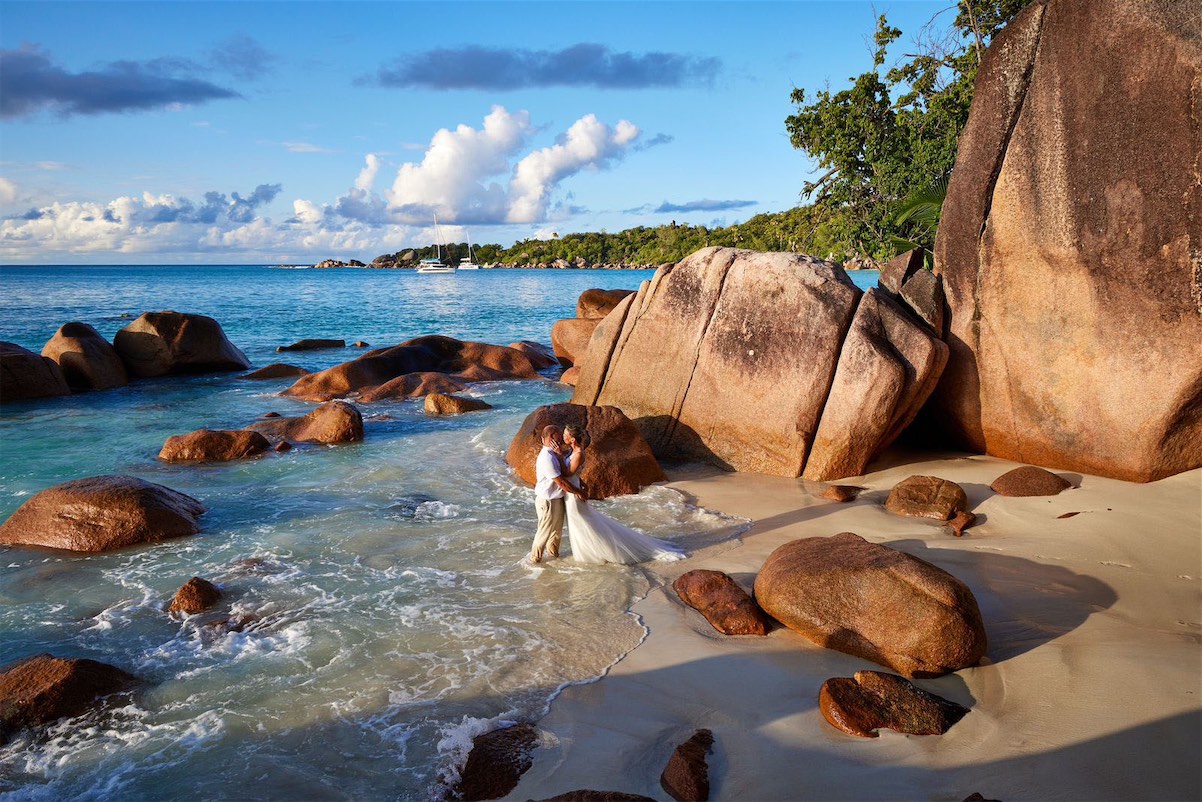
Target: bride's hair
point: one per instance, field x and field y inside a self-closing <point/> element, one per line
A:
<point x="578" y="433"/>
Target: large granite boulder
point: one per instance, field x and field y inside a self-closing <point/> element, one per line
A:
<point x="213" y="445"/>
<point x="618" y="460"/>
<point x="87" y="360"/>
<point x="871" y="700"/>
<point x="737" y="357"/>
<point x="727" y="607"/>
<point x="102" y="513"/>
<point x="570" y="338"/>
<point x="43" y="688"/>
<point x="332" y="422"/>
<point x="1070" y="240"/>
<point x="467" y="361"/>
<point x="845" y="593"/>
<point x="887" y="369"/>
<point x="24" y="374"/>
<point x="596" y="303"/>
<point x="158" y="343"/>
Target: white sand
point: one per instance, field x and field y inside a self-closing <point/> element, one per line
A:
<point x="1092" y="688"/>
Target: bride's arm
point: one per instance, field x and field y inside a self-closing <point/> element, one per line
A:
<point x="573" y="466"/>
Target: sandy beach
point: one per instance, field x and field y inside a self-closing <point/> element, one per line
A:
<point x="1092" y="686"/>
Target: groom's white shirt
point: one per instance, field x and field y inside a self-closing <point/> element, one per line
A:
<point x="546" y="470"/>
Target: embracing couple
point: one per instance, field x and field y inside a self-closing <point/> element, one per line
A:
<point x="559" y="497"/>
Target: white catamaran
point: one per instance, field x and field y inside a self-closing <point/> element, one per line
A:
<point x="435" y="265"/>
<point x="467" y="263"/>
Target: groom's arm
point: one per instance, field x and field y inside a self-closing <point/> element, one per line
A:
<point x="567" y="488"/>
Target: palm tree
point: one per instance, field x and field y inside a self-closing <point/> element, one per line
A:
<point x="922" y="209"/>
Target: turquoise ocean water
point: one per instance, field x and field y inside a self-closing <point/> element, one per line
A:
<point x="392" y="619"/>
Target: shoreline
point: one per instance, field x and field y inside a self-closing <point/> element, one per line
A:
<point x="1090" y="688"/>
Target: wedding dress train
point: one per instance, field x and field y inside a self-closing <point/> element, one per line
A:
<point x="597" y="538"/>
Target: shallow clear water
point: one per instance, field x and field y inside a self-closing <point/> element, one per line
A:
<point x="390" y="617"/>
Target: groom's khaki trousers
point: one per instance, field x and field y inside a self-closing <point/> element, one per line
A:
<point x="550" y="526"/>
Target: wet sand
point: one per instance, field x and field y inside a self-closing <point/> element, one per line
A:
<point x="1092" y="687"/>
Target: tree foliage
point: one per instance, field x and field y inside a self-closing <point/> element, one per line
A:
<point x="891" y="136"/>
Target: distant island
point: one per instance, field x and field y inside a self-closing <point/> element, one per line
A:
<point x="801" y="229"/>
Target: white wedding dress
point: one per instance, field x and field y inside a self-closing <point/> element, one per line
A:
<point x="597" y="538"/>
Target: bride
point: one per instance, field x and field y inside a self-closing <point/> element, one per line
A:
<point x="597" y="538"/>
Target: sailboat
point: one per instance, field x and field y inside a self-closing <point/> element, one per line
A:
<point x="435" y="265"/>
<point x="467" y="263"/>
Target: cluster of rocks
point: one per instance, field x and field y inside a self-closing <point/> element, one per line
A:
<point x="579" y="263"/>
<point x="570" y="337"/>
<point x="698" y="357"/>
<point x="78" y="359"/>
<point x="325" y="264"/>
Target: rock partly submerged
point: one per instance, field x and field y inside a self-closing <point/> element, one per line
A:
<point x="1070" y="240"/>
<point x="332" y="422"/>
<point x="277" y="370"/>
<point x="686" y="777"/>
<point x="25" y="375"/>
<point x="87" y="360"/>
<point x="214" y="445"/>
<point x="618" y="462"/>
<point x="159" y="343"/>
<point x="460" y="360"/>
<point x="194" y="596"/>
<point x="884" y="605"/>
<point x="44" y="688"/>
<point x="102" y="513"/>
<point x="440" y="404"/>
<point x="497" y="761"/>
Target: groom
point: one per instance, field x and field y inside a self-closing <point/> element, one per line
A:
<point x="549" y="490"/>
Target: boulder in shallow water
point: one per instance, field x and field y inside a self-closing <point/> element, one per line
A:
<point x="727" y="607"/>
<point x="686" y="778"/>
<point x="496" y="763"/>
<point x="841" y="493"/>
<point x="539" y="355"/>
<point x="873" y="700"/>
<point x="412" y="385"/>
<point x="927" y="497"/>
<point x="24" y="374"/>
<point x="277" y="370"/>
<point x="87" y="360"/>
<point x="102" y="513"/>
<point x="1029" y="481"/>
<point x="158" y="343"/>
<point x="884" y="605"/>
<point x="468" y="361"/>
<point x="618" y="460"/>
<point x="44" y="688"/>
<point x="332" y="422"/>
<point x="1071" y="241"/>
<point x="439" y="404"/>
<point x="213" y="445"/>
<point x="571" y="376"/>
<point x="312" y="345"/>
<point x="195" y="596"/>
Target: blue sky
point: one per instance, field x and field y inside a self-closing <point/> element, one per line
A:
<point x="165" y="132"/>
